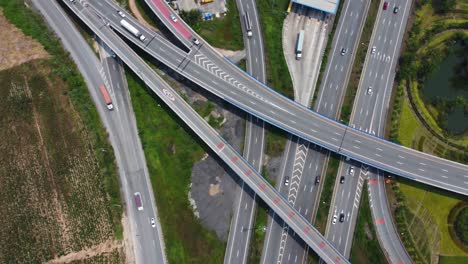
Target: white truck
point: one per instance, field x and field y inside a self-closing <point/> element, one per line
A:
<point x="299" y="44"/>
<point x="248" y="25"/>
<point x="132" y="29"/>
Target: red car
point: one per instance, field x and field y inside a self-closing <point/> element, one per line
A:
<point x="385" y="5"/>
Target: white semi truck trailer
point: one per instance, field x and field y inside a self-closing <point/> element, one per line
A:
<point x="130" y="28"/>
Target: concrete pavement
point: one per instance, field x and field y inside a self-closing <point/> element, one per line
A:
<point x="243" y="220"/>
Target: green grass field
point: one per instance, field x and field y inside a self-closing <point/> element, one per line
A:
<point x="438" y="204"/>
<point x="225" y="33"/>
<point x="171" y="150"/>
<point x="452" y="260"/>
<point x="409" y="125"/>
<point x="364" y="249"/>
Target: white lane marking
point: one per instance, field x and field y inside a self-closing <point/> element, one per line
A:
<point x="443" y="176"/>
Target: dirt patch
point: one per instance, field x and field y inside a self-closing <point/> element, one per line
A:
<point x="104" y="248"/>
<point x="15" y="47"/>
<point x="136" y="12"/>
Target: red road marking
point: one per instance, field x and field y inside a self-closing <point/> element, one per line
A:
<point x="234" y="159"/>
<point x="263" y="187"/>
<point x="372" y="182"/>
<point x="400" y="262"/>
<point x="337" y="260"/>
<point x="380" y="221"/>
<point x="162" y="7"/>
<point x="248" y="173"/>
<point x="322" y="244"/>
<point x="220" y="145"/>
<point x="306" y="229"/>
<point x="276" y="201"/>
<point x="291" y="215"/>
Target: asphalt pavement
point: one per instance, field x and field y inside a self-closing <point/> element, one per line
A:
<point x="370" y="113"/>
<point x="211" y="138"/>
<point x="331" y="93"/>
<point x="253" y="97"/>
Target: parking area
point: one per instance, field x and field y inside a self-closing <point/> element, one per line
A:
<point x="216" y="7"/>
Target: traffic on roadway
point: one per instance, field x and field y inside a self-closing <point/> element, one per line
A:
<point x="241" y="90"/>
<point x="263" y="189"/>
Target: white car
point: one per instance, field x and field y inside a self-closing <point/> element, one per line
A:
<point x="351" y="170"/>
<point x="174" y="18"/>
<point x="121" y="13"/>
<point x="373" y="50"/>
<point x="286" y="181"/>
<point x="334" y="219"/>
<point x="153" y="223"/>
<point x="369" y="90"/>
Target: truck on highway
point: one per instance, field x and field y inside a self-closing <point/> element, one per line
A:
<point x="106" y="96"/>
<point x="138" y="201"/>
<point x="248" y="25"/>
<point x="299" y="45"/>
<point x="130" y="28"/>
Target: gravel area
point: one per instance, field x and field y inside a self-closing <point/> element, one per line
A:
<point x="214" y="184"/>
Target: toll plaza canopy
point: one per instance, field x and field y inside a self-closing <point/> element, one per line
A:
<point x="328" y="6"/>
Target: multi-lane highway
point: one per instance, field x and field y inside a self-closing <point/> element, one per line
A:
<point x="312" y="162"/>
<point x="369" y="113"/>
<point x="213" y="140"/>
<point x="148" y="245"/>
<point x="243" y="219"/>
<point x="255" y="98"/>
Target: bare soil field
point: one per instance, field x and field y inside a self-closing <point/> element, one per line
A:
<point x="15" y="47"/>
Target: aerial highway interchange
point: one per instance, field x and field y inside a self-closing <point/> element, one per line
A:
<point x="359" y="142"/>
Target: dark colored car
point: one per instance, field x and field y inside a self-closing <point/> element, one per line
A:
<point x="342" y="217"/>
<point x="385" y="6"/>
<point x="342" y="179"/>
<point x="317" y="179"/>
<point x="395" y="10"/>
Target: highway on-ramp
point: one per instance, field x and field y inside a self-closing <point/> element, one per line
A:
<point x="213" y="140"/>
<point x="147" y="242"/>
<point x="233" y="85"/>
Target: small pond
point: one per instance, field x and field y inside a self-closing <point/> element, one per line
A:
<point x="444" y="83"/>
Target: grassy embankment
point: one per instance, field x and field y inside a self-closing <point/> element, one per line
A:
<point x="59" y="178"/>
<point x="171" y="150"/>
<point x="261" y="221"/>
<point x="272" y="14"/>
<point x="359" y="59"/>
<point x="366" y="248"/>
<point x="225" y="32"/>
